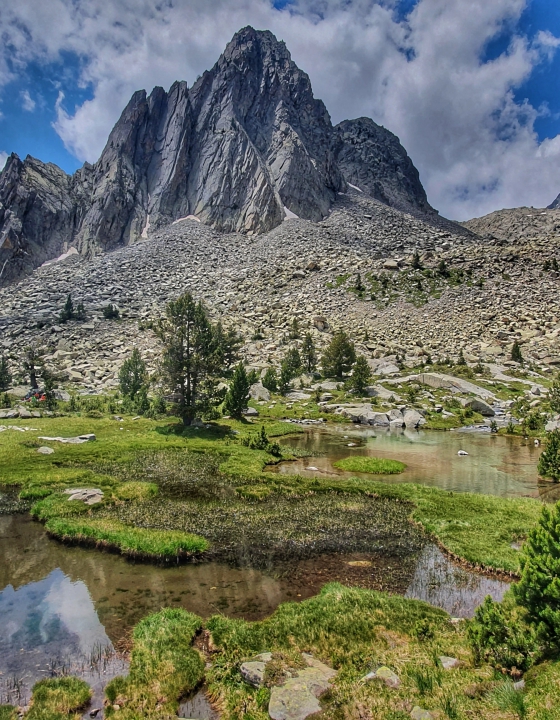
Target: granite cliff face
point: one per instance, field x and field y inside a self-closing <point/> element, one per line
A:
<point x="242" y="149"/>
<point x="373" y="159"/>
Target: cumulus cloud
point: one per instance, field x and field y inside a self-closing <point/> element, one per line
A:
<point x="27" y="102"/>
<point x="423" y="76"/>
<point x="3" y="158"/>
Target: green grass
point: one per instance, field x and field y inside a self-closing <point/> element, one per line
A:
<point x="163" y="668"/>
<point x="371" y="465"/>
<point x="129" y="540"/>
<point x="58" y="699"/>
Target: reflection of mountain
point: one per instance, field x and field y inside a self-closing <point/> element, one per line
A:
<point x="440" y="583"/>
<point x="52" y="618"/>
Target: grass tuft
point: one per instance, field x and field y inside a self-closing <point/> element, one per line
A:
<point x="58" y="699"/>
<point x="371" y="465"/>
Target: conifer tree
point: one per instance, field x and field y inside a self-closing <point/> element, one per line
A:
<point x="549" y="461"/>
<point x="192" y="357"/>
<point x="293" y="362"/>
<point x="5" y="375"/>
<point x="132" y="375"/>
<point x="361" y="375"/>
<point x="238" y="394"/>
<point x="539" y="588"/>
<point x="554" y="395"/>
<point x="68" y="310"/>
<point x="309" y="353"/>
<point x="270" y="380"/>
<point x="33" y="364"/>
<point x="516" y="355"/>
<point x="339" y="356"/>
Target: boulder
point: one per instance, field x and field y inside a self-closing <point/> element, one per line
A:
<point x="297" y="698"/>
<point x="90" y="437"/>
<point x="45" y="451"/>
<point x="89" y="496"/>
<point x="388" y="677"/>
<point x="419" y="713"/>
<point x="448" y="663"/>
<point x="413" y="419"/>
<point x="259" y="392"/>
<point x="479" y="406"/>
<point x="251" y="412"/>
<point x="253" y="672"/>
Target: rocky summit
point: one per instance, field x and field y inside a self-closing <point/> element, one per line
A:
<point x="246" y="146"/>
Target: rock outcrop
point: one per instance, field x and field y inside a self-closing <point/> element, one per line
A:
<point x="247" y="146"/>
<point x="372" y="159"/>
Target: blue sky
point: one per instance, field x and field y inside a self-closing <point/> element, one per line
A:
<point x="473" y="118"/>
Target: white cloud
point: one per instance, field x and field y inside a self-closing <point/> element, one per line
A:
<point x="27" y="102"/>
<point x="422" y="77"/>
<point x="3" y="158"/>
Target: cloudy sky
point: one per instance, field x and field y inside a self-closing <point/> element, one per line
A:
<point x="472" y="87"/>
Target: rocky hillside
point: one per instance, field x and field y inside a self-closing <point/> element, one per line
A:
<point x="242" y="149"/>
<point x="485" y="295"/>
<point x="519" y="224"/>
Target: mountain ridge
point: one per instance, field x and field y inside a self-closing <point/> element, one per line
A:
<point x="247" y="145"/>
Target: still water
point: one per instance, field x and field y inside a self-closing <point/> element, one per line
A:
<point x="65" y="609"/>
<point x="495" y="464"/>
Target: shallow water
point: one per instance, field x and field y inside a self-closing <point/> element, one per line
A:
<point x="65" y="609"/>
<point x="495" y="465"/>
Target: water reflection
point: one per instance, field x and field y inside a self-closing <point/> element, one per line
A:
<point x="441" y="583"/>
<point x="495" y="465"/>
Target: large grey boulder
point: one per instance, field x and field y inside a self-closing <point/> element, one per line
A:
<point x="480" y="406"/>
<point x="413" y="419"/>
<point x="298" y="697"/>
<point x="259" y="392"/>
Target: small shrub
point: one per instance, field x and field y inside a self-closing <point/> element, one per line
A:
<point x="111" y="312"/>
<point x="498" y="636"/>
<point x="260" y="441"/>
<point x="509" y="699"/>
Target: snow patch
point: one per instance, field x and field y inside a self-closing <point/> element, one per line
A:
<point x="71" y="251"/>
<point x="355" y="188"/>
<point x="290" y="215"/>
<point x="146" y="227"/>
<point x="189" y="217"/>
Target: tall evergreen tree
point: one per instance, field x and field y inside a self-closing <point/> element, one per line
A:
<point x="361" y="375"/>
<point x="270" y="380"/>
<point x="5" y="375"/>
<point x="292" y="361"/>
<point x="192" y="357"/>
<point x="339" y="356"/>
<point x="132" y="375"/>
<point x="309" y="353"/>
<point x="539" y="587"/>
<point x="549" y="461"/>
<point x="228" y="343"/>
<point x="238" y="394"/>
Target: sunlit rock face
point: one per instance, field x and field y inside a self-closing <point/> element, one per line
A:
<point x="247" y="146"/>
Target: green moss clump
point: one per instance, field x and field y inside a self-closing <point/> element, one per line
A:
<point x="58" y="699"/>
<point x="372" y="465"/>
<point x="8" y="712"/>
<point x="164" y="666"/>
<point x="136" y="491"/>
<point x="132" y="541"/>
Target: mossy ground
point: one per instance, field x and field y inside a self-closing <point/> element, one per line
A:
<point x="170" y="491"/>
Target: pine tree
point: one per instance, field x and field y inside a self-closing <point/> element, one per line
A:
<point x="339" y="356"/>
<point x="309" y="353"/>
<point x="361" y="375"/>
<point x="50" y="384"/>
<point x="293" y="362"/>
<point x="553" y="395"/>
<point x="516" y="355"/>
<point x="549" y="461"/>
<point x="132" y="375"/>
<point x="192" y="357"/>
<point x="539" y="588"/>
<point x="416" y="262"/>
<point x="461" y="360"/>
<point x="33" y="365"/>
<point x="228" y="343"/>
<point x="68" y="310"/>
<point x="294" y="330"/>
<point x="80" y="313"/>
<point x="270" y="380"/>
<point x="238" y="393"/>
<point x="5" y="375"/>
<point x="285" y="378"/>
